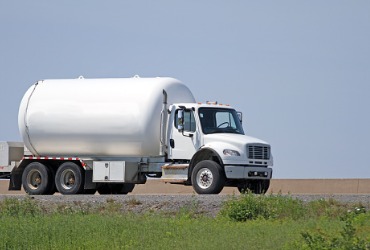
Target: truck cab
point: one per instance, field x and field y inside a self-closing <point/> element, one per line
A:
<point x="210" y="138"/>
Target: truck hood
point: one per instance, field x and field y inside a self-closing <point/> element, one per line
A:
<point x="232" y="139"/>
<point x="236" y="142"/>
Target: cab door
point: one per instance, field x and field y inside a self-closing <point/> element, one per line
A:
<point x="183" y="144"/>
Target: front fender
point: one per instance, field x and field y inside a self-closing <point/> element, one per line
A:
<point x="219" y="148"/>
<point x="205" y="153"/>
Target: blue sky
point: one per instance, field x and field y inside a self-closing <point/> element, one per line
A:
<point x="298" y="70"/>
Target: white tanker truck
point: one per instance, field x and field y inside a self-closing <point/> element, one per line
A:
<point x="83" y="135"/>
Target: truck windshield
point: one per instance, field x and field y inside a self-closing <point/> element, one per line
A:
<point x="219" y="120"/>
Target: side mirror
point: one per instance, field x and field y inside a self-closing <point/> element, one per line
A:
<point x="180" y="120"/>
<point x="240" y="116"/>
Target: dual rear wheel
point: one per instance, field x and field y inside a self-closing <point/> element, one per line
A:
<point x="38" y="179"/>
<point x="115" y="188"/>
<point x="69" y="179"/>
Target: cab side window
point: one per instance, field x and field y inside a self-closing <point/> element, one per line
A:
<point x="189" y="120"/>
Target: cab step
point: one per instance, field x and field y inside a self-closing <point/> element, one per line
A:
<point x="175" y="173"/>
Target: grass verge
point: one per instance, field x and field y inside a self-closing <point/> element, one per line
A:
<point x="246" y="222"/>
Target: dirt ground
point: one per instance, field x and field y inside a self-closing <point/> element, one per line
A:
<point x="284" y="186"/>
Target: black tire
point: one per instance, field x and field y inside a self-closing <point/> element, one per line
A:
<point x="255" y="186"/>
<point x="89" y="191"/>
<point x="52" y="188"/>
<point x="115" y="188"/>
<point x="208" y="177"/>
<point x="125" y="188"/>
<point x="104" y="189"/>
<point x="36" y="179"/>
<point x="69" y="178"/>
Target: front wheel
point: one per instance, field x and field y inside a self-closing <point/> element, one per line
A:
<point x="208" y="177"/>
<point x="69" y="178"/>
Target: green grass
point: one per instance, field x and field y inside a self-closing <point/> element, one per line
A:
<point x="284" y="223"/>
<point x="147" y="232"/>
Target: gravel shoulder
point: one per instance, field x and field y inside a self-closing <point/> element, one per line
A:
<point x="208" y="205"/>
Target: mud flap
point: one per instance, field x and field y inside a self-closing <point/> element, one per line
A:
<point x="89" y="184"/>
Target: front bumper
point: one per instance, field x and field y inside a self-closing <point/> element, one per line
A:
<point x="248" y="172"/>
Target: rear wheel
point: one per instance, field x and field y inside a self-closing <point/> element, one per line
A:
<point x="89" y="191"/>
<point x="52" y="188"/>
<point x="104" y="189"/>
<point x="125" y="188"/>
<point x="208" y="177"/>
<point x="69" y="178"/>
<point x="116" y="188"/>
<point x="37" y="179"/>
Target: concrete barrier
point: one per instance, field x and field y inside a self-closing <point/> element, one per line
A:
<point x="320" y="186"/>
<point x="284" y="186"/>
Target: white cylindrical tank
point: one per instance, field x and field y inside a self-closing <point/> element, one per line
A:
<point x="97" y="118"/>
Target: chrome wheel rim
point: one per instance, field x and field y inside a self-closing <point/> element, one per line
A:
<point x="204" y="178"/>
<point x="34" y="179"/>
<point x="68" y="179"/>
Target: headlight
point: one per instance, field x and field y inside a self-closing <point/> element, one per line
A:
<point x="231" y="152"/>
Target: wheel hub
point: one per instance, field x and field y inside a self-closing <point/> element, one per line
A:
<point x="34" y="179"/>
<point x="204" y="178"/>
<point x="68" y="179"/>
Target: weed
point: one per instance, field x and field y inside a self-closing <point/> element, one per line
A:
<point x="329" y="208"/>
<point x="348" y="237"/>
<point x="133" y="202"/>
<point x="191" y="209"/>
<point x="15" y="207"/>
<point x="110" y="207"/>
<point x="251" y="207"/>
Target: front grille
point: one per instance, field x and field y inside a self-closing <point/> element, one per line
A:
<point x="259" y="152"/>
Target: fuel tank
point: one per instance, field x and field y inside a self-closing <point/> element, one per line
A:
<point x="97" y="118"/>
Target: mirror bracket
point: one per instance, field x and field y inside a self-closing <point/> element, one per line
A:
<point x="240" y="116"/>
<point x="180" y="122"/>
